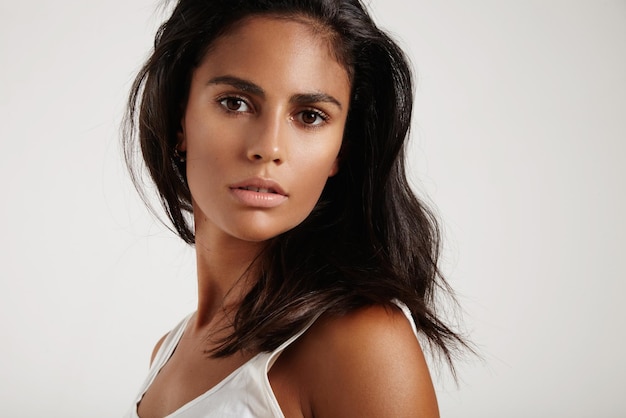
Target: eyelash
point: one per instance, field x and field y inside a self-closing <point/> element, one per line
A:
<point x="323" y="116"/>
<point x="318" y="113"/>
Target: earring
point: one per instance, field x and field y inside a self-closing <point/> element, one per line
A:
<point x="178" y="155"/>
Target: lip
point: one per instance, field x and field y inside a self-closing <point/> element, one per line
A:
<point x="258" y="192"/>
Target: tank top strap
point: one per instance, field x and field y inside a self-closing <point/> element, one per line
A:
<point x="170" y="343"/>
<point x="273" y="356"/>
<point x="407" y="312"/>
<point x="164" y="353"/>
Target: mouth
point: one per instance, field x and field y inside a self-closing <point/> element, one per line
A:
<point x="259" y="185"/>
<point x="259" y="193"/>
<point x="258" y="189"/>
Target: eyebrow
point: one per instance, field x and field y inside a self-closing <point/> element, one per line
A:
<point x="303" y="99"/>
<point x="238" y="83"/>
<point x="250" y="87"/>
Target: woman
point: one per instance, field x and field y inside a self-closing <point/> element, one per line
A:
<point x="279" y="125"/>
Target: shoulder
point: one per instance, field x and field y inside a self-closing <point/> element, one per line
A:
<point x="171" y="337"/>
<point x="157" y="347"/>
<point x="367" y="363"/>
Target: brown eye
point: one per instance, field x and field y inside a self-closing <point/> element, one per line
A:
<point x="235" y="104"/>
<point x="309" y="117"/>
<point x="312" y="118"/>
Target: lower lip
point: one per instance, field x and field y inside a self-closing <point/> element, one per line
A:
<point x="257" y="199"/>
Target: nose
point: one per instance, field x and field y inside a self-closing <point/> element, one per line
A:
<point x="267" y="144"/>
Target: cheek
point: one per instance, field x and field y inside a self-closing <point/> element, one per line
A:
<point x="208" y="152"/>
<point x="315" y="172"/>
<point x="208" y="136"/>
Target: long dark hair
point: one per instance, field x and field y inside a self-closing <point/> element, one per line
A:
<point x="369" y="240"/>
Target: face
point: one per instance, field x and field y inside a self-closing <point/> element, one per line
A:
<point x="262" y="128"/>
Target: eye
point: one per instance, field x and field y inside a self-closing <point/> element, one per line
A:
<point x="312" y="118"/>
<point x="235" y="104"/>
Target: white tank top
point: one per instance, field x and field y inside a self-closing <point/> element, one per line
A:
<point x="245" y="393"/>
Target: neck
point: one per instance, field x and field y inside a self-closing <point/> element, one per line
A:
<point x="226" y="272"/>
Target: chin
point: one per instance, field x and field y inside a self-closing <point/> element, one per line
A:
<point x="259" y="234"/>
<point x="261" y="226"/>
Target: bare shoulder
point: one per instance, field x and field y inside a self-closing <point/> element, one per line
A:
<point x="367" y="363"/>
<point x="157" y="347"/>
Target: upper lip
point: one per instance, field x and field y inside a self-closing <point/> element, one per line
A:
<point x="259" y="183"/>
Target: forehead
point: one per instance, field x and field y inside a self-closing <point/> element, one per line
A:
<point x="277" y="50"/>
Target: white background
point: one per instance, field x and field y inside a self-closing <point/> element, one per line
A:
<point x="519" y="140"/>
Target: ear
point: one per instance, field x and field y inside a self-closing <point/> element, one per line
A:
<point x="334" y="169"/>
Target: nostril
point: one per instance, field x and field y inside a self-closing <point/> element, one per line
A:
<point x="257" y="157"/>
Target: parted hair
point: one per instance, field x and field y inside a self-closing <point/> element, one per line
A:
<point x="369" y="239"/>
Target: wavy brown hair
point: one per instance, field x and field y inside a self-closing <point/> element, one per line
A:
<point x="369" y="240"/>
